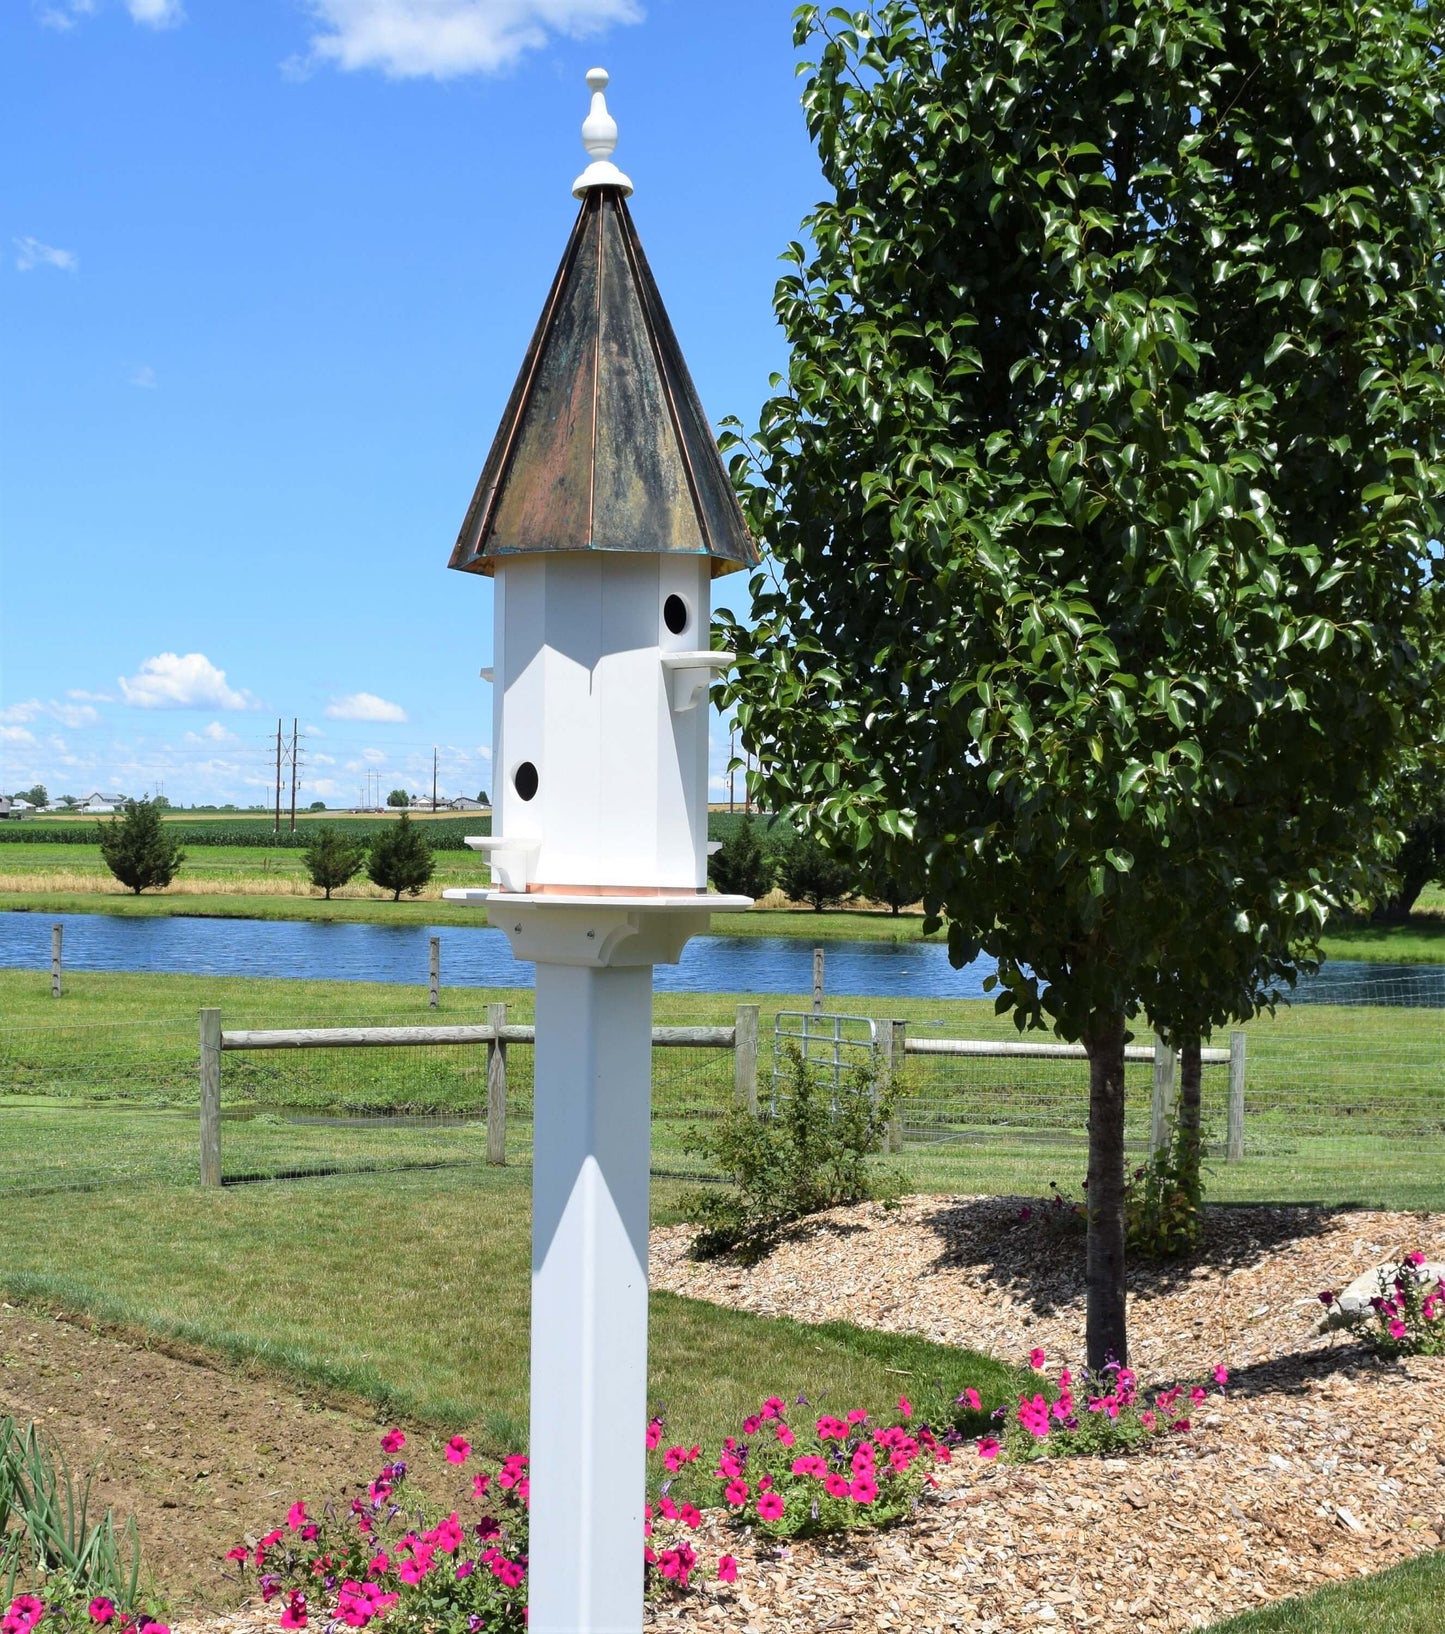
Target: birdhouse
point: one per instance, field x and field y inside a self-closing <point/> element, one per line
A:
<point x="603" y="514"/>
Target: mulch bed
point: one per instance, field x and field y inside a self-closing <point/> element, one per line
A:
<point x="1319" y="1464"/>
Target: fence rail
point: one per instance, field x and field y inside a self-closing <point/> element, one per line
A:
<point x="1339" y="1098"/>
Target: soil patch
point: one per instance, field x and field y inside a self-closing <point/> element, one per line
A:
<point x="199" y="1452"/>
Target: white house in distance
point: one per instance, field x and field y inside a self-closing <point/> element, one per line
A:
<point x="101" y="805"/>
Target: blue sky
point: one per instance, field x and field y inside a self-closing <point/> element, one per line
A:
<point x="267" y="273"/>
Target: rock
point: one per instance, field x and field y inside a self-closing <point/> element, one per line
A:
<point x="1354" y="1302"/>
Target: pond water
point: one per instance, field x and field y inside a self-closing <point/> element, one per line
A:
<point x="480" y="957"/>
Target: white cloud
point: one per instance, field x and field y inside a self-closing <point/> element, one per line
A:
<point x="71" y="715"/>
<point x="364" y="706"/>
<point x="144" y="376"/>
<point x="170" y="681"/>
<point x="63" y="14"/>
<point x="15" y="734"/>
<point x="214" y="733"/>
<point x="156" y="13"/>
<point x="31" y="253"/>
<point x="441" y="39"/>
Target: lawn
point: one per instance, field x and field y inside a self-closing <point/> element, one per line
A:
<point x="1343" y="1103"/>
<point x="1407" y="1599"/>
<point x="415" y="1296"/>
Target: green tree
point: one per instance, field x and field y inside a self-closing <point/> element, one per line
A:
<point x="398" y="797"/>
<point x="37" y="795"/>
<point x="482" y="797"/>
<point x="809" y="872"/>
<point x="1100" y="495"/>
<point x="137" y="849"/>
<point x="400" y="859"/>
<point x="333" y="858"/>
<point x="317" y="805"/>
<point x="741" y="867"/>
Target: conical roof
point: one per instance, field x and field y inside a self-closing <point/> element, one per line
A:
<point x="604" y="444"/>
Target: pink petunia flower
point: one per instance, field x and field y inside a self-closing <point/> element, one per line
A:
<point x="690" y="1516"/>
<point x="1221" y="1375"/>
<point x="736" y="1492"/>
<point x="770" y="1506"/>
<point x="480" y="1483"/>
<point x="1037" y="1358"/>
<point x="294" y="1616"/>
<point x="988" y="1447"/>
<point x="727" y="1570"/>
<point x="459" y="1449"/>
<point x="393" y="1441"/>
<point x="858" y="1416"/>
<point x="835" y="1485"/>
<point x="970" y="1398"/>
<point x="1398" y="1329"/>
<point x="296" y="1516"/>
<point x="654" y="1434"/>
<point x="1417" y="1258"/>
<point x="752" y="1425"/>
<point x="905" y="1407"/>
<point x="102" y="1610"/>
<point x="863" y="1490"/>
<point x="1148" y="1420"/>
<point x="785" y="1435"/>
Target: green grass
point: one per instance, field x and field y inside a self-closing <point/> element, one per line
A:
<point x="1343" y="1102"/>
<point x="1407" y="1599"/>
<point x="417" y="1300"/>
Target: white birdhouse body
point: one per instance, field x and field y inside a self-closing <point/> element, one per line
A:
<point x="600" y="740"/>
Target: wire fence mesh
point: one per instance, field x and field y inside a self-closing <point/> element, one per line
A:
<point x="1344" y="1101"/>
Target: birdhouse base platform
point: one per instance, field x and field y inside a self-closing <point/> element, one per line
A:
<point x="599" y="932"/>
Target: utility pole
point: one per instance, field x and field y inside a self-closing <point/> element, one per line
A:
<point x="433" y="779"/>
<point x="732" y="755"/>
<point x="295" y="756"/>
<point x="278" y="778"/>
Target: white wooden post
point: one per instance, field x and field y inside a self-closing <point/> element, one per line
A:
<point x="817" y="981"/>
<point x="57" y="937"/>
<point x="892" y="1044"/>
<point x="210" y="1097"/>
<point x="1162" y="1108"/>
<point x="434" y="973"/>
<point x="1234" y="1141"/>
<point x="590" y="1166"/>
<point x="497" y="1088"/>
<point x="745" y="1058"/>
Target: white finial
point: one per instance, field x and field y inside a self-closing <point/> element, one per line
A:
<point x="599" y="137"/>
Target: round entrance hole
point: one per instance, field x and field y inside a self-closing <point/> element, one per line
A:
<point x="524" y="780"/>
<point x="674" y="614"/>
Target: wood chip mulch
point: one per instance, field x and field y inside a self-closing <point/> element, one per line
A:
<point x="1320" y="1464"/>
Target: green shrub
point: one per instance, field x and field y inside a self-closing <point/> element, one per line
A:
<point x="333" y="859"/>
<point x="400" y="859"/>
<point x="1163" y="1213"/>
<point x="809" y="1154"/>
<point x="138" y="850"/>
<point x="741" y="867"/>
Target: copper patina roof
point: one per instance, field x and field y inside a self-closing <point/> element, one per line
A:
<point x="604" y="444"/>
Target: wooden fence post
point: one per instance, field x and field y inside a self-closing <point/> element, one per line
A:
<point x="434" y="972"/>
<point x="1234" y="1148"/>
<point x="817" y="981"/>
<point x="1163" y="1104"/>
<point x="497" y="1087"/>
<point x="891" y="1047"/>
<point x="57" y="937"/>
<point x="745" y="1058"/>
<point x="210" y="1097"/>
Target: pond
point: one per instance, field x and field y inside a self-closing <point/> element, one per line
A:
<point x="480" y="957"/>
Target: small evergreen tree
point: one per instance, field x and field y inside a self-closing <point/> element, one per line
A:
<point x="808" y="873"/>
<point x="400" y="859"/>
<point x="137" y="849"/>
<point x="742" y="867"/>
<point x="333" y="858"/>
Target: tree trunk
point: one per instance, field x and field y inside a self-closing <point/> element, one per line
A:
<point x="1191" y="1133"/>
<point x="1106" y="1333"/>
